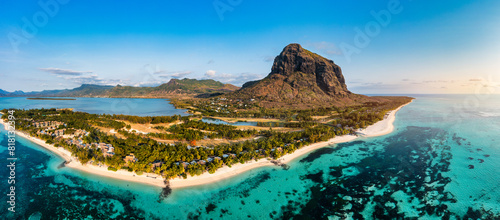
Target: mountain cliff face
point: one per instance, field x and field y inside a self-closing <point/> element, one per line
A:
<point x="299" y="76"/>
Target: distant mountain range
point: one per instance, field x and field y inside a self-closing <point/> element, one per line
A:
<point x="298" y="78"/>
<point x="3" y="92"/>
<point x="174" y="88"/>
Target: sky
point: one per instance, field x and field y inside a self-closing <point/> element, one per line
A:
<point x="383" y="47"/>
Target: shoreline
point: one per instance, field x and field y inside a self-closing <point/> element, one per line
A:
<point x="383" y="127"/>
<point x="73" y="163"/>
<point x="380" y="128"/>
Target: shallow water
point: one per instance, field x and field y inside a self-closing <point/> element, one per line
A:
<point x="238" y="123"/>
<point x="441" y="161"/>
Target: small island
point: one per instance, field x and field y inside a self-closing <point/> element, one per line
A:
<point x="40" y="98"/>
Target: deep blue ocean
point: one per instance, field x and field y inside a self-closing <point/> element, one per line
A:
<point x="441" y="162"/>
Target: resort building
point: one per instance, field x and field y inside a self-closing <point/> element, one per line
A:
<point x="59" y="133"/>
<point x="156" y="164"/>
<point x="43" y="124"/>
<point x="130" y="158"/>
<point x="107" y="149"/>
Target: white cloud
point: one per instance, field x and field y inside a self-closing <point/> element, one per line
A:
<point x="226" y="77"/>
<point x="210" y="73"/>
<point x="175" y="75"/>
<point x="148" y="84"/>
<point x="236" y="79"/>
<point x="93" y="79"/>
<point x="66" y="72"/>
<point x="81" y="77"/>
<point x="180" y="74"/>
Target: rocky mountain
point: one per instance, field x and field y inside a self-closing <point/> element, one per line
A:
<point x="175" y="87"/>
<point x="86" y="90"/>
<point x="18" y="92"/>
<point x="196" y="86"/>
<point x="300" y="76"/>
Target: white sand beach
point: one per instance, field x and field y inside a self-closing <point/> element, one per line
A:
<point x="380" y="128"/>
<point x="226" y="172"/>
<point x="146" y="178"/>
<point x="383" y="127"/>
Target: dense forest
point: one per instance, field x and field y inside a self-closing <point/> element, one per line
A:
<point x="198" y="130"/>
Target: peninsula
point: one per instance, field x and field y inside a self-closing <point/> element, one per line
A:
<point x="302" y="105"/>
<point x="380" y="128"/>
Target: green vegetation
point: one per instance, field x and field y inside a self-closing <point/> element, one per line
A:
<point x="196" y="86"/>
<point x="144" y="152"/>
<point x="356" y="116"/>
<point x="304" y="124"/>
<point x="198" y="130"/>
<point x="147" y="119"/>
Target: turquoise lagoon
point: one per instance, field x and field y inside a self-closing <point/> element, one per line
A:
<point x="442" y="161"/>
<point x="140" y="107"/>
<point x="238" y="123"/>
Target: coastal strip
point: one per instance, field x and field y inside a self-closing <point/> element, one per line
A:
<point x="227" y="172"/>
<point x="72" y="162"/>
<point x="380" y="128"/>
